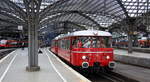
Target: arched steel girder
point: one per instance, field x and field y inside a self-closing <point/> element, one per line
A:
<point x="90" y="14"/>
<point x="8" y="21"/>
<point x="49" y="9"/>
<point x="123" y="8"/>
<point x="22" y="13"/>
<point x="114" y="26"/>
<point x="52" y="6"/>
<point x="6" y="25"/>
<point x="9" y="12"/>
<point x="73" y="23"/>
<point x="11" y="17"/>
<point x="72" y="12"/>
<point x="58" y="22"/>
<point x="89" y="18"/>
<point x="85" y="12"/>
<point x="66" y="26"/>
<point x="123" y="25"/>
<point x="56" y="30"/>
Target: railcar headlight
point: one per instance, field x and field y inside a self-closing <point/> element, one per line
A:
<point x="83" y="57"/>
<point x="107" y="57"/>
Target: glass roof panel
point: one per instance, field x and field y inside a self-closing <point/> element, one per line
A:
<point x="136" y="7"/>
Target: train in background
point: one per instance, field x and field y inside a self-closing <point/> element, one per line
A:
<point x="142" y="42"/>
<point x="12" y="44"/>
<point x="87" y="49"/>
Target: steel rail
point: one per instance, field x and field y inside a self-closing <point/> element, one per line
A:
<point x="111" y="77"/>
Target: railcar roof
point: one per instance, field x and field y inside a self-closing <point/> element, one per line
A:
<point x="85" y="33"/>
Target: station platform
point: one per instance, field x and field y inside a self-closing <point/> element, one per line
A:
<point x="136" y="58"/>
<point x="137" y="49"/>
<point x="13" y="69"/>
<point x="137" y="73"/>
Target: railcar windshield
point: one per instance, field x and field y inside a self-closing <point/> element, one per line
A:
<point x="3" y="41"/>
<point x="92" y="42"/>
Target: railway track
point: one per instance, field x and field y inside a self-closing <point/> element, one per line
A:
<point x="111" y="77"/>
<point x="4" y="52"/>
<point x="114" y="77"/>
<point x="102" y="76"/>
<point x="108" y="77"/>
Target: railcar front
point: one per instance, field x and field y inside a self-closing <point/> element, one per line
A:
<point x="92" y="52"/>
<point x="3" y="43"/>
<point x="8" y="43"/>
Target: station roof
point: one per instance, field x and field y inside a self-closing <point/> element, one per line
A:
<point x="92" y="13"/>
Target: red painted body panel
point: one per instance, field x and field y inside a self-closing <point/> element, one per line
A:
<point x="93" y="54"/>
<point x="54" y="49"/>
<point x="3" y="45"/>
<point x="65" y="54"/>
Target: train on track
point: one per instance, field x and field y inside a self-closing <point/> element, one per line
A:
<point x="143" y="42"/>
<point x="87" y="49"/>
<point x="12" y="44"/>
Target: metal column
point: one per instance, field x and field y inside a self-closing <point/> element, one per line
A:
<point x="33" y="48"/>
<point x="32" y="8"/>
<point x="130" y="43"/>
<point x="131" y="30"/>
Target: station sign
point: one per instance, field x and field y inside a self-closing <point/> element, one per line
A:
<point x="20" y="27"/>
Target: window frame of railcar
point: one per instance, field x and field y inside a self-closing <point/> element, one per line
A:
<point x="53" y="43"/>
<point x="67" y="43"/>
<point x="77" y="38"/>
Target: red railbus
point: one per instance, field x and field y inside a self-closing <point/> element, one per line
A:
<point x="8" y="43"/>
<point x="144" y="42"/>
<point x="13" y="44"/>
<point x="85" y="49"/>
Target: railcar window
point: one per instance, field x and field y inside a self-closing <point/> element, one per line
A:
<point x="56" y="44"/>
<point x="91" y="42"/>
<point x="68" y="44"/>
<point x="52" y="43"/>
<point x="3" y="41"/>
<point x="65" y="44"/>
<point x="62" y="44"/>
<point x="59" y="44"/>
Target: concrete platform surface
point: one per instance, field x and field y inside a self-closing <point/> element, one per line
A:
<point x="138" y="73"/>
<point x="137" y="49"/>
<point x="13" y="69"/>
<point x="134" y="54"/>
<point x="136" y="58"/>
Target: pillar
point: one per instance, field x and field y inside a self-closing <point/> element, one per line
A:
<point x="33" y="47"/>
<point x="33" y="25"/>
<point x="130" y="43"/>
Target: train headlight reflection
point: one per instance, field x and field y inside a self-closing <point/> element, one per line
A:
<point x="83" y="57"/>
<point x="107" y="57"/>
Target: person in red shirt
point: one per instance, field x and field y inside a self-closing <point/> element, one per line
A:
<point x="79" y="44"/>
